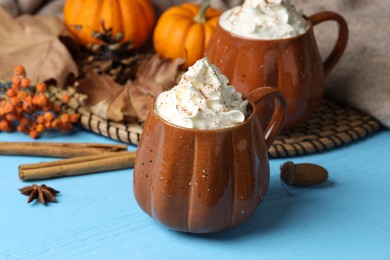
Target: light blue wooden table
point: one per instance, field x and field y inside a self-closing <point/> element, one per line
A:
<point x="97" y="216"/>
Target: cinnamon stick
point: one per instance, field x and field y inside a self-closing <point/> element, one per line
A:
<point x="61" y="150"/>
<point x="77" y="166"/>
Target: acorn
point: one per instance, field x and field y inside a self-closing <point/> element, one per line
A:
<point x="303" y="174"/>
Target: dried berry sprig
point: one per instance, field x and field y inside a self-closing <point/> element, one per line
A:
<point x="43" y="193"/>
<point x="30" y="109"/>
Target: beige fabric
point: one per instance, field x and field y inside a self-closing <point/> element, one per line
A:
<point x="362" y="77"/>
<point x="220" y="4"/>
<point x="55" y="6"/>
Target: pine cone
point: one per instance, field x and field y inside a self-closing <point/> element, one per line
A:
<point x="113" y="58"/>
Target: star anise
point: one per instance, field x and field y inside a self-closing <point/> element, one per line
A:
<point x="43" y="193"/>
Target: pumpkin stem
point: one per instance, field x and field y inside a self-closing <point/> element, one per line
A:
<point x="201" y="16"/>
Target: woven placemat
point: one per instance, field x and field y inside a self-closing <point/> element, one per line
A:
<point x="332" y="125"/>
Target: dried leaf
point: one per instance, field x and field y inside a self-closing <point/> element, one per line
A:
<point x="112" y="101"/>
<point x="33" y="42"/>
<point x="141" y="102"/>
<point x="102" y="91"/>
<point x="122" y="106"/>
<point x="156" y="74"/>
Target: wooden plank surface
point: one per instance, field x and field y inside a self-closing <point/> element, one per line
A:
<point x="97" y="216"/>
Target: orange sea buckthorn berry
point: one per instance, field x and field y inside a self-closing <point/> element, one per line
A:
<point x="22" y="94"/>
<point x="20" y="128"/>
<point x="48" y="125"/>
<point x="25" y="82"/>
<point x="15" y="101"/>
<point x="34" y="134"/>
<point x="16" y="87"/>
<point x="47" y="107"/>
<point x="27" y="107"/>
<point x="19" y="70"/>
<point x="56" y="108"/>
<point x="41" y="119"/>
<point x="65" y="99"/>
<point x="42" y="100"/>
<point x="41" y="87"/>
<point x="10" y="117"/>
<point x="16" y="81"/>
<point x="40" y="128"/>
<point x="23" y="121"/>
<point x="48" y="116"/>
<point x="11" y="92"/>
<point x="56" y="123"/>
<point x="74" y="118"/>
<point x="1" y="111"/>
<point x="32" y="125"/>
<point x="8" y="108"/>
<point x="28" y="100"/>
<point x="65" y="118"/>
<point x="18" y="111"/>
<point x="35" y="100"/>
<point x="4" y="125"/>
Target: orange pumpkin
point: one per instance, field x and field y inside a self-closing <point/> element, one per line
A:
<point x="184" y="31"/>
<point x="134" y="18"/>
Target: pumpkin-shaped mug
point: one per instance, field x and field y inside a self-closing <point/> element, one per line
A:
<point x="293" y="65"/>
<point x="204" y="181"/>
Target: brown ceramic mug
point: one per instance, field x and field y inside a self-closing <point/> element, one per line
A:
<point x="293" y="65"/>
<point x="204" y="181"/>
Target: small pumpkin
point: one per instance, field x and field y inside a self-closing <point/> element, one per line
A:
<point x="134" y="18"/>
<point x="184" y="31"/>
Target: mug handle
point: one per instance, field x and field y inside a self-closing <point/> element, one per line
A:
<point x="277" y="119"/>
<point x="342" y="39"/>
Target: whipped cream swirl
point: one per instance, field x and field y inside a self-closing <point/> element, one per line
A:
<point x="202" y="100"/>
<point x="264" y="19"/>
